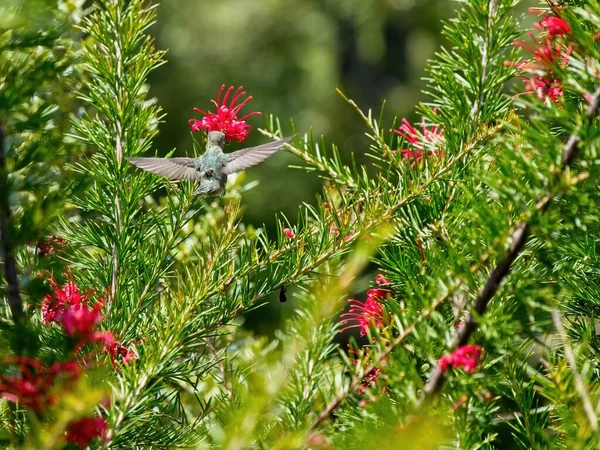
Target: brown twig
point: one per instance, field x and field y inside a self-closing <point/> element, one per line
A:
<point x="10" y="265"/>
<point x="518" y="239"/>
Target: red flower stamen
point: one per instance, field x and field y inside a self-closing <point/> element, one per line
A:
<point x="466" y="357"/>
<point x="72" y="310"/>
<point x="289" y="233"/>
<point x="83" y="431"/>
<point x="549" y="57"/>
<point x="364" y="315"/>
<point x="428" y="140"/>
<point x="225" y="118"/>
<point x="554" y="26"/>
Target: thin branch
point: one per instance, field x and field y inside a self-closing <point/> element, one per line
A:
<point x="579" y="384"/>
<point x="492" y="6"/>
<point x="10" y="265"/>
<point x="339" y="177"/>
<point x="367" y="120"/>
<point x="518" y="239"/>
<point x="119" y="156"/>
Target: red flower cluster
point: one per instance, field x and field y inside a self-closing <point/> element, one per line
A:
<point x="367" y="314"/>
<point x="73" y="311"/>
<point x="82" y="431"/>
<point x="370" y="379"/>
<point x="430" y="137"/>
<point x="466" y="356"/>
<point x="553" y="25"/>
<point x="289" y="233"/>
<point x="34" y="382"/>
<point x="120" y="352"/>
<point x="79" y="319"/>
<point x="32" y="386"/>
<point x="226" y="119"/>
<point x="549" y="54"/>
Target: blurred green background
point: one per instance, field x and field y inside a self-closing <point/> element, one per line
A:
<point x="290" y="55"/>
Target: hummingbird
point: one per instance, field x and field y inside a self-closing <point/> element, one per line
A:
<point x="212" y="168"/>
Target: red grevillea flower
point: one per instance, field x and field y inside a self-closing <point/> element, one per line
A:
<point x="225" y="119"/>
<point x="428" y="139"/>
<point x="549" y="55"/>
<point x="538" y="73"/>
<point x="75" y="313"/>
<point x="82" y="431"/>
<point x="555" y="26"/>
<point x="60" y="299"/>
<point x="289" y="233"/>
<point x="121" y="353"/>
<point x="80" y="321"/>
<point x="552" y="25"/>
<point x="466" y="356"/>
<point x="31" y="386"/>
<point x="366" y="314"/>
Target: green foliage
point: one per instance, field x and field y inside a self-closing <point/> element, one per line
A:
<point x="483" y="222"/>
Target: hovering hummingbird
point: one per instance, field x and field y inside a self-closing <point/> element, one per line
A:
<point x="212" y="168"/>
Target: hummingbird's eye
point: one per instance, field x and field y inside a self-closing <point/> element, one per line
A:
<point x="209" y="174"/>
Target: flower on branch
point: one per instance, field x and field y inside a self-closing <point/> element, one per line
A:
<point x="73" y="311"/>
<point x="121" y="353"/>
<point x="550" y="54"/>
<point x="364" y="360"/>
<point x="554" y="26"/>
<point x="466" y="357"/>
<point x="32" y="385"/>
<point x="367" y="314"/>
<point x="429" y="139"/>
<point x="79" y="318"/>
<point x="225" y="119"/>
<point x="60" y="299"/>
<point x="80" y="321"/>
<point x="83" y="431"/>
<point x="289" y="233"/>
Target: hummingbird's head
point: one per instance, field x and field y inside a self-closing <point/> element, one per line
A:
<point x="216" y="138"/>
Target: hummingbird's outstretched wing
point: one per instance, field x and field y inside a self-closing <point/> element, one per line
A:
<point x="173" y="168"/>
<point x="248" y="157"/>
